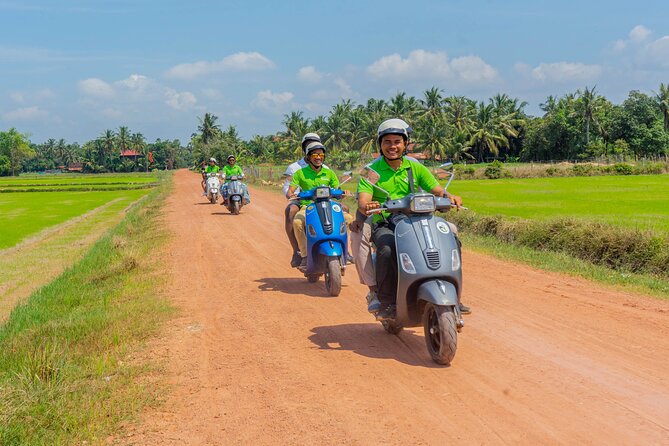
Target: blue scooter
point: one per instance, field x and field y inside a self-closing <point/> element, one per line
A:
<point x="327" y="237"/>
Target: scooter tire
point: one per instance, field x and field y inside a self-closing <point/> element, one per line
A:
<point x="333" y="276"/>
<point x="235" y="208"/>
<point x="441" y="334"/>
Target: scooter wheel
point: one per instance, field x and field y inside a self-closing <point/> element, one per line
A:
<point x="313" y="278"/>
<point x="441" y="335"/>
<point x="235" y="208"/>
<point x="333" y="276"/>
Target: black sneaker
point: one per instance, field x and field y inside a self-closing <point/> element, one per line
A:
<point x="464" y="309"/>
<point x="295" y="261"/>
<point x="386" y="312"/>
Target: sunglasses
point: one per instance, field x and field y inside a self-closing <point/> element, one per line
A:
<point x="317" y="155"/>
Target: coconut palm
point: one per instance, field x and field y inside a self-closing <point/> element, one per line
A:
<point x="296" y="126"/>
<point x="489" y="134"/>
<point x="209" y="130"/>
<point x="662" y="99"/>
<point x="433" y="102"/>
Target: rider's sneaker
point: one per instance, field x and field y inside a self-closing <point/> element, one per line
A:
<point x="303" y="264"/>
<point x="373" y="304"/>
<point x="296" y="260"/>
<point x="387" y="312"/>
<point x="350" y="259"/>
<point x="464" y="309"/>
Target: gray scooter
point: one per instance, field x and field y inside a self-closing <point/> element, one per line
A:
<point x="429" y="274"/>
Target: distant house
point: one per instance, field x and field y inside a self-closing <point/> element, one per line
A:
<point x="72" y="167"/>
<point x="127" y="154"/>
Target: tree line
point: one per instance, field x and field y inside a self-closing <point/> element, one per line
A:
<point x="112" y="151"/>
<point x="577" y="126"/>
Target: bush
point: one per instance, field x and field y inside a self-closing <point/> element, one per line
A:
<point x="601" y="244"/>
<point x="582" y="170"/>
<point x="622" y="169"/>
<point x="495" y="170"/>
<point x="551" y="171"/>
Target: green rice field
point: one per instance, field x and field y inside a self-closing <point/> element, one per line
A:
<point x="32" y="204"/>
<point x="637" y="202"/>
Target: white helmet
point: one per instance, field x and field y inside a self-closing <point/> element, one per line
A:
<point x="212" y="159"/>
<point x="315" y="145"/>
<point x="393" y="126"/>
<point x="308" y="138"/>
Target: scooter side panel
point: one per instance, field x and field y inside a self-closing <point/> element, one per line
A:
<point x="319" y="244"/>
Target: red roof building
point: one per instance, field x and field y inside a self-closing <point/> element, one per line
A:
<point x="130" y="153"/>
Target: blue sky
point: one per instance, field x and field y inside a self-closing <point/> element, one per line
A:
<point x="71" y="69"/>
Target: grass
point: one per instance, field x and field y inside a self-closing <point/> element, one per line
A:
<point x="635" y="202"/>
<point x="64" y="374"/>
<point x="26" y="214"/>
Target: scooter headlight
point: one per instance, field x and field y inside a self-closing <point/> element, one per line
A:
<point x="423" y="203"/>
<point x="455" y="260"/>
<point x="407" y="264"/>
<point x="322" y="192"/>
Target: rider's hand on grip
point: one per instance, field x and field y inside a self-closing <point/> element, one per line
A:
<point x="371" y="206"/>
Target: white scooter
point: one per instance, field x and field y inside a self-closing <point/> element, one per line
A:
<point x="213" y="187"/>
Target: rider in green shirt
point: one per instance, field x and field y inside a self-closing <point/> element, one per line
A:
<point x="391" y="173"/>
<point x="212" y="167"/>
<point x="308" y="178"/>
<point x="233" y="170"/>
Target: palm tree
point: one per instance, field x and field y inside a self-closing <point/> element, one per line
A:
<point x="106" y="146"/>
<point x="460" y="112"/>
<point x="432" y="132"/>
<point x="296" y="127"/>
<point x="123" y="139"/>
<point x="550" y="106"/>
<point x="589" y="104"/>
<point x="209" y="130"/>
<point x="662" y="99"/>
<point x="433" y="102"/>
<point x="488" y="134"/>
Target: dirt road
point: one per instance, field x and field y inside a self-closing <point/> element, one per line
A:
<point x="259" y="356"/>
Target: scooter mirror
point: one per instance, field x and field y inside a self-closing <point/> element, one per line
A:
<point x="445" y="165"/>
<point x="346" y="176"/>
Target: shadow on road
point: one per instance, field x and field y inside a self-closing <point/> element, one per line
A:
<point x="371" y="341"/>
<point x="293" y="285"/>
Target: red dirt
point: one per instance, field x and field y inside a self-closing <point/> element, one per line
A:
<point x="259" y="356"/>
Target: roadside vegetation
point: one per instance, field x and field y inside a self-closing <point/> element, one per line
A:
<point x="65" y="377"/>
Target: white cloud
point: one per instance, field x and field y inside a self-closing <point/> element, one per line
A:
<point x="345" y="90"/>
<point x="236" y="62"/>
<point x="273" y="102"/>
<point x="309" y="75"/>
<point x="135" y="82"/>
<point x="26" y="114"/>
<point x="17" y="97"/>
<point x="420" y="64"/>
<point x="473" y="69"/>
<point x="96" y="87"/>
<point x="562" y="72"/>
<point x="639" y="33"/>
<point x="212" y="93"/>
<point x="657" y="52"/>
<point x="180" y="100"/>
<point x="435" y="66"/>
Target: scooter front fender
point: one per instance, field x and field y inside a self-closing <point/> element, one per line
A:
<point x="438" y="292"/>
<point x="330" y="249"/>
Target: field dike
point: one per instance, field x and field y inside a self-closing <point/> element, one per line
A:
<point x="65" y="377"/>
<point x="621" y="249"/>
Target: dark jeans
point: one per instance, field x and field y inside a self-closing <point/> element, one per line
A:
<point x="386" y="263"/>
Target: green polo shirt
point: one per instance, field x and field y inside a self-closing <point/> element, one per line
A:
<point x="230" y="171"/>
<point x="211" y="169"/>
<point x="307" y="178"/>
<point x="396" y="182"/>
